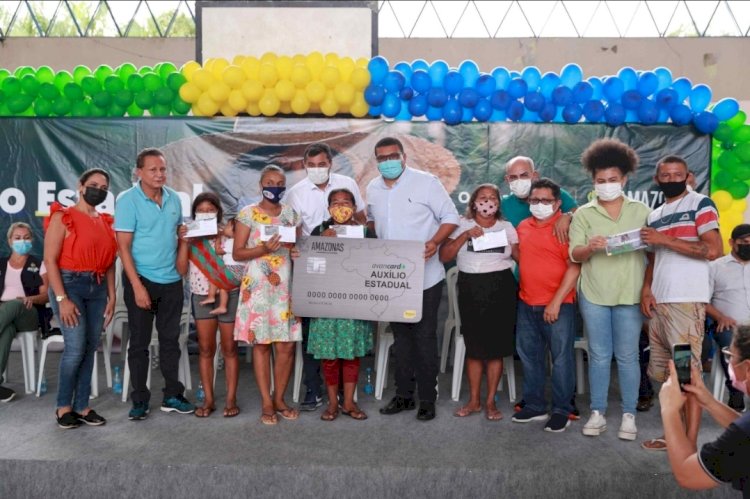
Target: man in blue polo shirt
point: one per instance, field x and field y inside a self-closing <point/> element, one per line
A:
<point x="147" y="217"/>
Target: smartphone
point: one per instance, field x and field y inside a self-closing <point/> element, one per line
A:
<point x="682" y="355"/>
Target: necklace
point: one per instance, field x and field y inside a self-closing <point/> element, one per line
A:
<point x="671" y="215"/>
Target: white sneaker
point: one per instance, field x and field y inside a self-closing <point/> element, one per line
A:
<point x="628" y="431"/>
<point x="596" y="425"/>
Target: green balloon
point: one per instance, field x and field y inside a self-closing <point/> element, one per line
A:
<point x="166" y="69"/>
<point x="73" y="92"/>
<point x="739" y="190"/>
<point x="145" y="69"/>
<point x="737" y="120"/>
<point x="97" y="112"/>
<point x="116" y="111"/>
<point x="4" y="111"/>
<point x="180" y="107"/>
<point x="4" y="73"/>
<point x="62" y="78"/>
<point x="81" y="109"/>
<point x="152" y="82"/>
<point x="144" y="99"/>
<point x="742" y="171"/>
<point x="113" y="84"/>
<point x="161" y="110"/>
<point x="80" y="72"/>
<point x="102" y="99"/>
<point x="743" y="152"/>
<point x="42" y="107"/>
<point x="135" y="83"/>
<point x="123" y="98"/>
<point x="2" y="96"/>
<point x="22" y="71"/>
<point x="30" y="85"/>
<point x="61" y="106"/>
<point x="175" y="81"/>
<point x="164" y="96"/>
<point x="728" y="161"/>
<point x="135" y="111"/>
<point x="91" y="85"/>
<point x="17" y="104"/>
<point x="11" y="86"/>
<point x="124" y="71"/>
<point x="102" y="72"/>
<point x="49" y="91"/>
<point x="723" y="132"/>
<point x="45" y="74"/>
<point x="723" y="180"/>
<point x="741" y="134"/>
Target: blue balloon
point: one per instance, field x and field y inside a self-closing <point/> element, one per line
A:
<point x="515" y="111"/>
<point x="530" y="116"/>
<point x="420" y="81"/>
<point x="517" y="88"/>
<point x="434" y="113"/>
<point x="378" y="68"/>
<point x="648" y="83"/>
<point x="682" y="86"/>
<point x="666" y="98"/>
<point x="598" y="88"/>
<point x="648" y="112"/>
<point x="614" y="114"/>
<point x="483" y="110"/>
<point x="680" y="114"/>
<point x="404" y="114"/>
<point x="500" y="100"/>
<point x="629" y="78"/>
<point x="452" y="112"/>
<point x="374" y="95"/>
<point x="375" y="111"/>
<point x="468" y="97"/>
<point x="631" y="116"/>
<point x="558" y="115"/>
<point x="469" y="71"/>
<point x="582" y="92"/>
<point x="405" y="69"/>
<point x="419" y="65"/>
<point x="726" y="108"/>
<point x="453" y="82"/>
<point x="418" y="105"/>
<point x="485" y="85"/>
<point x="664" y="76"/>
<point x="394" y="81"/>
<point x="663" y="116"/>
<point x="406" y="93"/>
<point x="498" y="115"/>
<point x="534" y="101"/>
<point x="437" y="97"/>
<point x="550" y="81"/>
<point x="613" y="88"/>
<point x="391" y="106"/>
<point x="467" y="114"/>
<point x="593" y="111"/>
<point x="572" y="113"/>
<point x="437" y="72"/>
<point x="631" y="99"/>
<point x="706" y="122"/>
<point x="562" y="96"/>
<point x="502" y="78"/>
<point x="548" y="112"/>
<point x="700" y="96"/>
<point x="570" y="75"/>
<point x="514" y="74"/>
<point x="532" y="77"/>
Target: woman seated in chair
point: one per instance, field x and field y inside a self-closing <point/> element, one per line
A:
<point x="486" y="294"/>
<point x="80" y="252"/>
<point x="23" y="294"/>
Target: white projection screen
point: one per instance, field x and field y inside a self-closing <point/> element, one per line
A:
<point x="226" y="29"/>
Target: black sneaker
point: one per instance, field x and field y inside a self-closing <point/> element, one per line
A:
<point x="69" y="420"/>
<point x="557" y="423"/>
<point x="526" y="415"/>
<point x="312" y="401"/>
<point x="6" y="394"/>
<point x="736" y="401"/>
<point x="178" y="404"/>
<point x="139" y="411"/>
<point x="92" y="419"/>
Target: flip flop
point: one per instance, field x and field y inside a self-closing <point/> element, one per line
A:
<point x="204" y="412"/>
<point x="288" y="413"/>
<point x="493" y="415"/>
<point x="269" y="419"/>
<point x="328" y="415"/>
<point x="230" y="412"/>
<point x="357" y="414"/>
<point x="654" y="445"/>
<point x="465" y="411"/>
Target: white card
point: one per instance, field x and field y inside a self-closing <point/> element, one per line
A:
<point x="201" y="228"/>
<point x="490" y="240"/>
<point x="350" y="231"/>
<point x="288" y="234"/>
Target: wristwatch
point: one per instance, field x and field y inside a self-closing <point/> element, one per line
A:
<point x="60" y="298"/>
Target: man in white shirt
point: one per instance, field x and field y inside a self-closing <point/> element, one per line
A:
<point x="309" y="198"/>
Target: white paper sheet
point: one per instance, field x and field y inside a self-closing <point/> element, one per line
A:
<point x="288" y="234"/>
<point x="350" y="231"/>
<point x="201" y="228"/>
<point x="490" y="240"/>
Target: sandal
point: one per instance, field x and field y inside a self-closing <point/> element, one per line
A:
<point x="269" y="419"/>
<point x="329" y="415"/>
<point x="466" y="411"/>
<point x="655" y="444"/>
<point x="288" y="413"/>
<point x="230" y="412"/>
<point x="493" y="415"/>
<point x="357" y="414"/>
<point x="204" y="412"/>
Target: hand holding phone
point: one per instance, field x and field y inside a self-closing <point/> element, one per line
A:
<point x="682" y="355"/>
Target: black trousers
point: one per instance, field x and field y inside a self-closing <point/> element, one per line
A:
<point x="310" y="365"/>
<point x="415" y="350"/>
<point x="166" y="309"/>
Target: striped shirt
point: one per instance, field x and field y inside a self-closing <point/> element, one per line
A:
<point x="679" y="278"/>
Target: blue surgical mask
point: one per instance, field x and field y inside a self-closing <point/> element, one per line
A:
<point x="21" y="246"/>
<point x="273" y="194"/>
<point x="391" y="168"/>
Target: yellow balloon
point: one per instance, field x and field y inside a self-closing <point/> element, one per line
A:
<point x="251" y="67"/>
<point x="359" y="107"/>
<point x="315" y="62"/>
<point x="362" y="62"/>
<point x="252" y="90"/>
<point x="330" y="76"/>
<point x="300" y="103"/>
<point x="344" y="93"/>
<point x="268" y="58"/>
<point x="346" y="67"/>
<point x="189" y="92"/>
<point x="219" y="92"/>
<point x="227" y="110"/>
<point x="739" y="205"/>
<point x="285" y="108"/>
<point x="284" y="90"/>
<point x="237" y="61"/>
<point x="269" y="104"/>
<point x="722" y="199"/>
<point x="299" y="59"/>
<point x="360" y="78"/>
<point x="233" y="76"/>
<point x="301" y="76"/>
<point x="268" y="75"/>
<point x="329" y="106"/>
<point x="332" y="58"/>
<point x="218" y="66"/>
<point x="253" y="109"/>
<point x="196" y="110"/>
<point x="203" y="79"/>
<point x="315" y="91"/>
<point x="237" y="100"/>
<point x="284" y="66"/>
<point x="188" y="69"/>
<point x="207" y="106"/>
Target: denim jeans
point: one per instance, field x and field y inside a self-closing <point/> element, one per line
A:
<point x="81" y="341"/>
<point x="533" y="338"/>
<point x="612" y="330"/>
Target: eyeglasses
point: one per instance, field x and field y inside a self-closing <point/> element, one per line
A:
<point x="388" y="157"/>
<point x="544" y="201"/>
<point x="727" y="355"/>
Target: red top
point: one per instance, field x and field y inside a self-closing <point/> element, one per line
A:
<point x="90" y="245"/>
<point x="542" y="263"/>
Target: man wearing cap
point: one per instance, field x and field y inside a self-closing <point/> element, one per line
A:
<point x="730" y="299"/>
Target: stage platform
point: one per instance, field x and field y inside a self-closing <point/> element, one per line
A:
<point x="171" y="455"/>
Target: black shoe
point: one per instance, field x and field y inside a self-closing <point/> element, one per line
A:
<point x="737" y="401"/>
<point x="92" y="419"/>
<point x="68" y="420"/>
<point x="644" y="404"/>
<point x="557" y="423"/>
<point x="426" y="411"/>
<point x="6" y="394"/>
<point x="398" y="404"/>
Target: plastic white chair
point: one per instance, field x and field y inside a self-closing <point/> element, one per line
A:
<point x="27" y="342"/>
<point x="58" y="338"/>
<point x="451" y="278"/>
<point x="384" y="342"/>
<point x="581" y="345"/>
<point x="718" y="376"/>
<point x="119" y="319"/>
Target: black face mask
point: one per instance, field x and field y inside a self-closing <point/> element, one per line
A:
<point x="94" y="196"/>
<point x="743" y="252"/>
<point x="673" y="189"/>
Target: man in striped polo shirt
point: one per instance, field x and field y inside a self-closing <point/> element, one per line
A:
<point x="683" y="235"/>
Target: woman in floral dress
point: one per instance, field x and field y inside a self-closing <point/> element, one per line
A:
<point x="264" y="315"/>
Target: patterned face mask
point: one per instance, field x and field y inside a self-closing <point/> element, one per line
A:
<point x="486" y="208"/>
<point x="341" y="214"/>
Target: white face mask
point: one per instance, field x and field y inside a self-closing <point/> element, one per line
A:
<point x="318" y="175"/>
<point x="609" y="191"/>
<point x="521" y="187"/>
<point x="204" y="216"/>
<point x="542" y="211"/>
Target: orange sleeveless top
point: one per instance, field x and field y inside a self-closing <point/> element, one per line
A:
<point x="90" y="245"/>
